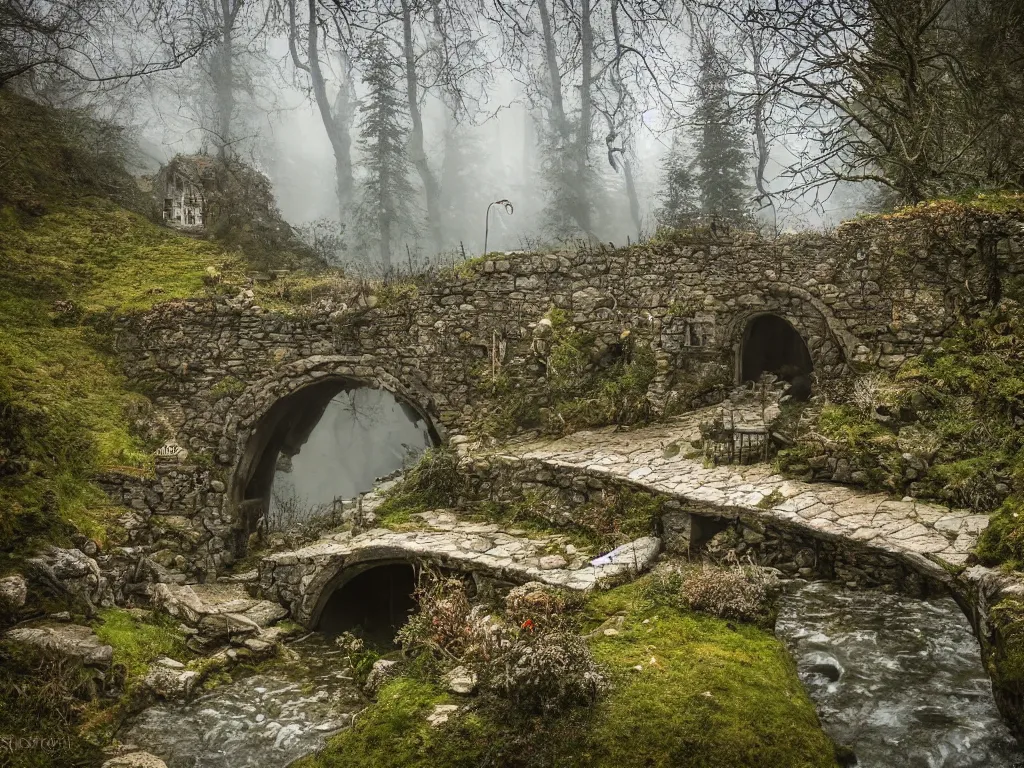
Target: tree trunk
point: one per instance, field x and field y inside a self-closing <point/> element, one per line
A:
<point x="341" y="143"/>
<point x="558" y="122"/>
<point x="224" y="90"/>
<point x="634" y="201"/>
<point x="431" y="188"/>
<point x="586" y="116"/>
<point x="337" y="118"/>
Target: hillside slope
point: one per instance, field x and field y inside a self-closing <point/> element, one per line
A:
<point x="70" y="257"/>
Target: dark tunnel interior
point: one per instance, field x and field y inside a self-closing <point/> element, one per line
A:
<point x="373" y="604"/>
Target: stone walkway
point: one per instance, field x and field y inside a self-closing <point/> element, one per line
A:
<point x="298" y="578"/>
<point x="655" y="458"/>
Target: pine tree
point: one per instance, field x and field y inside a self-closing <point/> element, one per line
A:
<point x="384" y="213"/>
<point x="720" y="159"/>
<point x="460" y="204"/>
<point x="680" y="197"/>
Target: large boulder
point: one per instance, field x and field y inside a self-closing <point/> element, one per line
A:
<point x="72" y="573"/>
<point x="69" y="640"/>
<point x="220" y="612"/>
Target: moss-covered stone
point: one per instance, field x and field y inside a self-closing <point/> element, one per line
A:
<point x="949" y="425"/>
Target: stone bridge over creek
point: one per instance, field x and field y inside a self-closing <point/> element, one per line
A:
<point x="811" y="530"/>
<point x="237" y="386"/>
<point x="306" y="579"/>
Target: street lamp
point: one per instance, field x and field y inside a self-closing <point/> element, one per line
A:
<point x="487" y="219"/>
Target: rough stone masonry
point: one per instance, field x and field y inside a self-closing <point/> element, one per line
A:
<point x="866" y="296"/>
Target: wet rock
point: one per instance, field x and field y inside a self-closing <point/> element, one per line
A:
<point x="70" y="640"/>
<point x="13" y="592"/>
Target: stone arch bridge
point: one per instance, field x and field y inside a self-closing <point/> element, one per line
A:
<point x="216" y="368"/>
<point x="863" y="298"/>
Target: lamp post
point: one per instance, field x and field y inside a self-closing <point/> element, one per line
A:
<point x="487" y="218"/>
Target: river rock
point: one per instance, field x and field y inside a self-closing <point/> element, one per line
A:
<point x="169" y="679"/>
<point x="135" y="760"/>
<point x="71" y="640"/>
<point x="379" y="674"/>
<point x="461" y="680"/>
<point x="13" y="592"/>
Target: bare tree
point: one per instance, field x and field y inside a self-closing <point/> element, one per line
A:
<point x="92" y="42"/>
<point x="918" y="96"/>
<point x="229" y="64"/>
<point x="328" y="27"/>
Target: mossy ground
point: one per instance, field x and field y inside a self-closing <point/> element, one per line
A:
<point x="70" y="259"/>
<point x="67" y="412"/>
<point x="710" y="693"/>
<point x="137" y="642"/>
<point x="46" y="696"/>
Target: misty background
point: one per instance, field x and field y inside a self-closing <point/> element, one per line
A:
<point x="388" y="128"/>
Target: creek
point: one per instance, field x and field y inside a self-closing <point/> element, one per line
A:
<point x="266" y="720"/>
<point x="898" y="680"/>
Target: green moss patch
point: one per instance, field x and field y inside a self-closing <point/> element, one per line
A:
<point x="435" y="482"/>
<point x="66" y="412"/>
<point x="707" y="693"/>
<point x="137" y="642"/>
<point x="587" y="384"/>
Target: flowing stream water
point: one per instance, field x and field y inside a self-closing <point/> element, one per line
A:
<point x="266" y="720"/>
<point x="898" y="680"/>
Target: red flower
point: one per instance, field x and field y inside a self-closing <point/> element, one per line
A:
<point x="528" y="624"/>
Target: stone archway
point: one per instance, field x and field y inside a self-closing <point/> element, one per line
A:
<point x="289" y="410"/>
<point x="771" y="344"/>
<point x="376" y="598"/>
<point x="831" y="348"/>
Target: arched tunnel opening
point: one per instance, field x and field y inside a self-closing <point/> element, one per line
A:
<point x="772" y="345"/>
<point x="320" y="446"/>
<point x="373" y="604"/>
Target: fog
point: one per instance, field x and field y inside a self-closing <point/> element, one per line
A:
<point x="398" y="125"/>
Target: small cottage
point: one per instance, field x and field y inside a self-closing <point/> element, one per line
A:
<point x="180" y="187"/>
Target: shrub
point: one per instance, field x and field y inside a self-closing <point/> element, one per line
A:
<point x="743" y="593"/>
<point x="545" y="673"/>
<point x="433" y="483"/>
<point x="539" y="606"/>
<point x="441" y="626"/>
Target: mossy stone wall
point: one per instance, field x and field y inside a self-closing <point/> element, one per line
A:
<point x="867" y="296"/>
